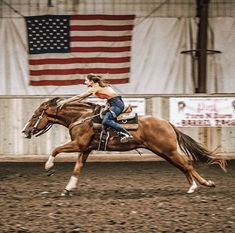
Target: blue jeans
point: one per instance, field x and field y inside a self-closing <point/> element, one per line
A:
<point x="110" y="117"/>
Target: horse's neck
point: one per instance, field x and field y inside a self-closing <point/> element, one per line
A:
<point x="72" y="113"/>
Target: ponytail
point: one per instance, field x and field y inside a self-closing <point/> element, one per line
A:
<point x="97" y="79"/>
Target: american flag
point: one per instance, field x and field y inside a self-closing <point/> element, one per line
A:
<point x="63" y="49"/>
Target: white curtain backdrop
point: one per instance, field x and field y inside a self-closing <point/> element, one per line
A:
<point x="157" y="66"/>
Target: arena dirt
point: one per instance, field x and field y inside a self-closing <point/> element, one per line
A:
<point x="115" y="197"/>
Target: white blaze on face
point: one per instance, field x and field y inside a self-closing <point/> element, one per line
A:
<point x="25" y="127"/>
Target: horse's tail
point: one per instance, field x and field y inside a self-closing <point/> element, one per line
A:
<point x="196" y="151"/>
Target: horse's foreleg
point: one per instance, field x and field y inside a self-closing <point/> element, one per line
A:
<point x="68" y="147"/>
<point x="72" y="184"/>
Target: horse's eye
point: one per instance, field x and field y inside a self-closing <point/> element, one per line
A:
<point x="34" y="116"/>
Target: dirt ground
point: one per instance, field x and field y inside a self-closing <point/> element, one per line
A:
<point x="115" y="197"/>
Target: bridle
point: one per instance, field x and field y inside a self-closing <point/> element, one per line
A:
<point x="38" y="120"/>
<point x="45" y="129"/>
<point x="49" y="125"/>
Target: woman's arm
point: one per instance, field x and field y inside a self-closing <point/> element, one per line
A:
<point x="77" y="97"/>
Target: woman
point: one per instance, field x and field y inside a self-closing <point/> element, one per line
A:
<point x="97" y="87"/>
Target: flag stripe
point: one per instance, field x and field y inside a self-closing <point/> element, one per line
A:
<point x="100" y="28"/>
<point x="101" y="49"/>
<point x="79" y="66"/>
<point x="100" y="33"/>
<point x="76" y="76"/>
<point x="79" y="60"/>
<point x="102" y="17"/>
<point x="80" y="71"/>
<point x="101" y="22"/>
<point x="100" y="38"/>
<point x="101" y="44"/>
<point x="73" y="82"/>
<point x="81" y="55"/>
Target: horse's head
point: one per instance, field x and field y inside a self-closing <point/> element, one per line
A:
<point x="39" y="123"/>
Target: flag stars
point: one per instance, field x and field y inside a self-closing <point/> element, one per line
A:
<point x="48" y="34"/>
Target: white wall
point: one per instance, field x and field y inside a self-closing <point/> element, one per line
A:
<point x="157" y="65"/>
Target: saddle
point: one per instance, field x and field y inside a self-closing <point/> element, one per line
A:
<point x="127" y="118"/>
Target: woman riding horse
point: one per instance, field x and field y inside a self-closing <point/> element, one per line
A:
<point x="116" y="105"/>
<point x="154" y="134"/>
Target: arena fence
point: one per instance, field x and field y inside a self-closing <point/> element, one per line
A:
<point x="16" y="110"/>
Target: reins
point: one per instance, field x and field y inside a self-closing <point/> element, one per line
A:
<point x="82" y="121"/>
<point x="47" y="127"/>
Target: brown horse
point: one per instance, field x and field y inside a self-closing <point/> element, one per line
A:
<point x="154" y="134"/>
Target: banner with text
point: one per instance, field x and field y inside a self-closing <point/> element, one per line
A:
<point x="204" y="112"/>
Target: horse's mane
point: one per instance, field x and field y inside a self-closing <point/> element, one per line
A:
<point x="82" y="104"/>
<point x="54" y="101"/>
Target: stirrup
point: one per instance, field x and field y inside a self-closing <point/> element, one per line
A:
<point x="126" y="138"/>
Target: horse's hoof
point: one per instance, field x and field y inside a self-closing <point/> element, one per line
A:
<point x="49" y="166"/>
<point x="51" y="172"/>
<point x="191" y="190"/>
<point x="193" y="187"/>
<point x="211" y="183"/>
<point x="66" y="193"/>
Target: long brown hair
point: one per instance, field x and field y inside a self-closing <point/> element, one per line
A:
<point x="97" y="79"/>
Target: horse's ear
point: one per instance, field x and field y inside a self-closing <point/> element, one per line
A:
<point x="54" y="101"/>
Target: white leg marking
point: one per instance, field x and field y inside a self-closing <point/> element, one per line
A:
<point x="72" y="183"/>
<point x="50" y="162"/>
<point x="193" y="187"/>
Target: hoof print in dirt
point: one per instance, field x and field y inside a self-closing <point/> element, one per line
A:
<point x="50" y="172"/>
<point x="66" y="193"/>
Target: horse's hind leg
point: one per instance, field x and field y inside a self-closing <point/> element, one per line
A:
<point x="201" y="180"/>
<point x="185" y="165"/>
<point x="72" y="184"/>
